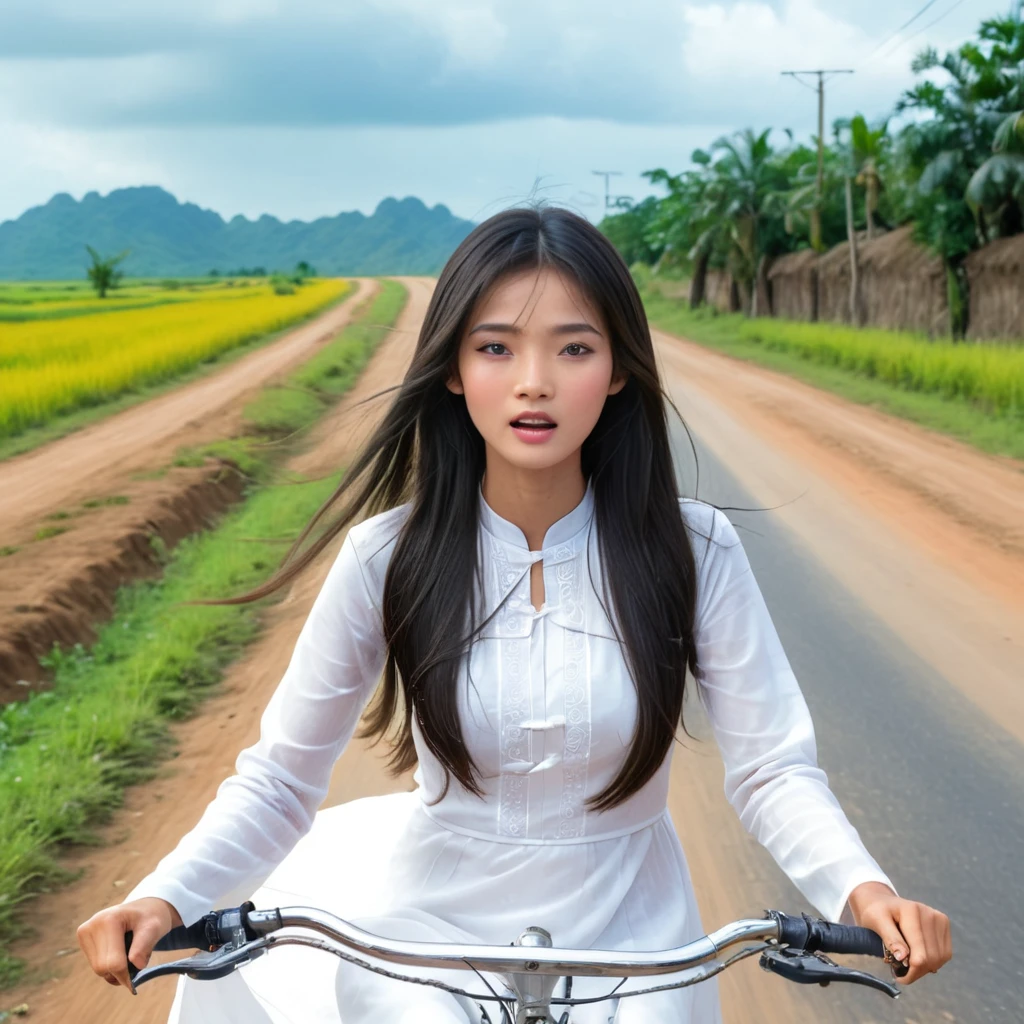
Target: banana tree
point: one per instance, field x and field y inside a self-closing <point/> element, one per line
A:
<point x="682" y="227"/>
<point x="744" y="182"/>
<point x="995" y="192"/>
<point x="982" y="85"/>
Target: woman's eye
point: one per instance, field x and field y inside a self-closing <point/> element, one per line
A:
<point x="576" y="348"/>
<point x="493" y="345"/>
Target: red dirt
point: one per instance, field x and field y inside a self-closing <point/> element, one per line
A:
<point x="726" y="402"/>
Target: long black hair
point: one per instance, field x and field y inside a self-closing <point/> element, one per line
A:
<point x="426" y="452"/>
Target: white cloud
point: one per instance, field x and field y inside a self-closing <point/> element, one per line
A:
<point x="238" y="12"/>
<point x="51" y="160"/>
<point x="308" y="107"/>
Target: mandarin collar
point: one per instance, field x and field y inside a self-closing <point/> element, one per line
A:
<point x="559" y="532"/>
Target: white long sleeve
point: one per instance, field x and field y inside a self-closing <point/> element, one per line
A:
<point x="260" y="813"/>
<point x="764" y="731"/>
<point x="546" y="715"/>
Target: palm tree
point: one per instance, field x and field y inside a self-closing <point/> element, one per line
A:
<point x="680" y="228"/>
<point x="742" y="193"/>
<point x="103" y="273"/>
<point x="868" y="148"/>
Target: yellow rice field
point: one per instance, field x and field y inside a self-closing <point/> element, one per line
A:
<point x="49" y="368"/>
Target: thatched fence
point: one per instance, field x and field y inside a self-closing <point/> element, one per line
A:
<point x="902" y="286"/>
<point x="995" y="277"/>
<point x="794" y="286"/>
<point x="721" y="291"/>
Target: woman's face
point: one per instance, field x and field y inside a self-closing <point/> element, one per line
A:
<point x="535" y="349"/>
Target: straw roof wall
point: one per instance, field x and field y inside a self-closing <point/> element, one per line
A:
<point x="793" y="280"/>
<point x="720" y="292"/>
<point x="902" y="284"/>
<point x="995" y="276"/>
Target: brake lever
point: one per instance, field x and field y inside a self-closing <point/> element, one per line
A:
<point x="817" y="969"/>
<point x="206" y="966"/>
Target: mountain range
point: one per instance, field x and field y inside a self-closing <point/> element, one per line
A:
<point x="166" y="237"/>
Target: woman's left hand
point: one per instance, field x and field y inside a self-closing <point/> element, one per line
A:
<point x="908" y="929"/>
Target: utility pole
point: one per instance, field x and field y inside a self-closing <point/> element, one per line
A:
<point x="820" y="182"/>
<point x="607" y="188"/>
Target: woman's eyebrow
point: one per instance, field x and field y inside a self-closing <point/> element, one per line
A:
<point x="575" y="328"/>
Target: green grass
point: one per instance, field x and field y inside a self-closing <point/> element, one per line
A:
<point x="67" y="754"/>
<point x="35" y="437"/>
<point x="969" y="391"/>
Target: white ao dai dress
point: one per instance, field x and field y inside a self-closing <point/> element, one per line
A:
<point x="547" y="711"/>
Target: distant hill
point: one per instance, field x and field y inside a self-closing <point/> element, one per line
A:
<point x="168" y="238"/>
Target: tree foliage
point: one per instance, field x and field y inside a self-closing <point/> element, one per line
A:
<point x="104" y="273"/>
<point x="954" y="167"/>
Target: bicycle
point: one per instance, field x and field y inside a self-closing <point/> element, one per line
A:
<point x="795" y="948"/>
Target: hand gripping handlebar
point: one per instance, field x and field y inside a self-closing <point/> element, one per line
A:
<point x="793" y="947"/>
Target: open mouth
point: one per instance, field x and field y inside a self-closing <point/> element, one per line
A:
<point x="541" y="425"/>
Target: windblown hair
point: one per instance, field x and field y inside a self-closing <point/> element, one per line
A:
<point x="427" y="452"/>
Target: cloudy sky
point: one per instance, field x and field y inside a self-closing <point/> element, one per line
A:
<point x="307" y="107"/>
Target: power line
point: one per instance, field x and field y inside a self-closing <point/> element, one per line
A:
<point x="892" y="35"/>
<point x="924" y="28"/>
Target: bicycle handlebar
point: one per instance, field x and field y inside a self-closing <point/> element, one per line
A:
<point x="790" y="946"/>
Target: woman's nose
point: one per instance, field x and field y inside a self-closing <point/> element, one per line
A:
<point x="534" y="380"/>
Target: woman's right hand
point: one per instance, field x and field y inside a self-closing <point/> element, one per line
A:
<point x="102" y="936"/>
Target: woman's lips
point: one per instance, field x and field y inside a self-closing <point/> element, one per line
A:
<point x="533" y="433"/>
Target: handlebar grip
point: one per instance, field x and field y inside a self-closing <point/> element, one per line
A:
<point x="132" y="969"/>
<point x="815" y="935"/>
<point x="193" y="936"/>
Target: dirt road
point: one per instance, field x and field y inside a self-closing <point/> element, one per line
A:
<point x="927" y="531"/>
<point x="869" y="515"/>
<point x="101" y="497"/>
<point x="95" y="460"/>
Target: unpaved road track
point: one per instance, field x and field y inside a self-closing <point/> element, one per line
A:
<point x="858" y="575"/>
<point x="94" y="460"/>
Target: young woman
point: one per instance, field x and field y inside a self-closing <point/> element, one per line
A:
<point x="534" y="590"/>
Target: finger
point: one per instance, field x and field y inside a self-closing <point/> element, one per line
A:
<point x="145" y="937"/>
<point x="885" y="925"/>
<point x="940" y="945"/>
<point x="111" y="958"/>
<point x="947" y="939"/>
<point x="87" y="940"/>
<point x="909" y="918"/>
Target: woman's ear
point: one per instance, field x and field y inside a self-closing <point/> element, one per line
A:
<point x="617" y="384"/>
<point x="454" y="384"/>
